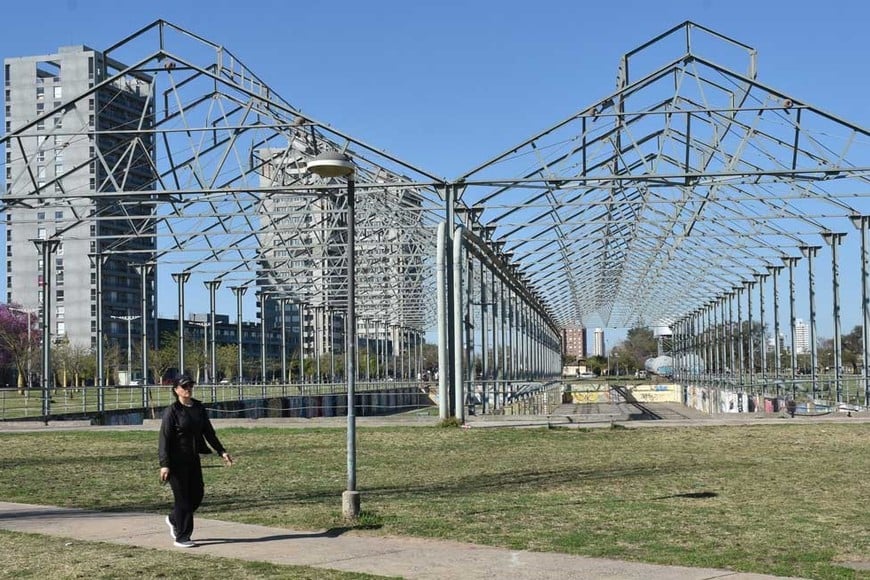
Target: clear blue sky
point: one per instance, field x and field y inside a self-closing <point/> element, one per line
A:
<point x="446" y="85"/>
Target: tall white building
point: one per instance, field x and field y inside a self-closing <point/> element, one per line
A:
<point x="71" y="148"/>
<point x="801" y="337"/>
<point x="598" y="348"/>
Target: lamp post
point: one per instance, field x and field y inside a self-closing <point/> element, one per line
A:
<point x="327" y="165"/>
<point x="129" y="318"/>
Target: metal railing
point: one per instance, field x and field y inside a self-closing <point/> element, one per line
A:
<point x="82" y="401"/>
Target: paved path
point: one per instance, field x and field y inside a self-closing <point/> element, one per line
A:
<point x="413" y="558"/>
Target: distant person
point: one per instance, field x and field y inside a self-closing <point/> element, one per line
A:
<point x="183" y="435"/>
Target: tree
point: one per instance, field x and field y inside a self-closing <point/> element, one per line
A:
<point x="17" y="345"/>
<point x="596" y="364"/>
<point x="72" y="360"/>
<point x="639" y="345"/>
<point x="853" y="347"/>
<point x="227" y="362"/>
<point x="430" y="357"/>
<point x="164" y="358"/>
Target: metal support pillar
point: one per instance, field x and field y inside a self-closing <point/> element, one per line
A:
<point x="98" y="260"/>
<point x="143" y="270"/>
<point x="262" y="297"/>
<point x="809" y="253"/>
<point x="181" y="279"/>
<point x="239" y="291"/>
<point x="46" y="249"/>
<point x="791" y="263"/>
<point x="834" y="240"/>
<point x="760" y="279"/>
<point x="863" y="224"/>
<point x="777" y="347"/>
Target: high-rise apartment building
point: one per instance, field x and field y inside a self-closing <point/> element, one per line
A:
<point x="300" y="254"/>
<point x="574" y="342"/>
<point x="801" y="337"/>
<point x="302" y="259"/>
<point x="71" y="148"/>
<point x="598" y="348"/>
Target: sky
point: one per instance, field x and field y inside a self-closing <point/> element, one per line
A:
<point x="447" y="85"/>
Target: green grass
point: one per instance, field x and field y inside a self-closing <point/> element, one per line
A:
<point x="32" y="556"/>
<point x="786" y="498"/>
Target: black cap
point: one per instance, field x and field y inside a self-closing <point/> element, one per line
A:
<point x="182" y="380"/>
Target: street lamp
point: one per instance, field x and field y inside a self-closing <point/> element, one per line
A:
<point x="129" y="318"/>
<point x="327" y="165"/>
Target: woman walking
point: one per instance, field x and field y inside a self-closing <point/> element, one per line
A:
<point x="183" y="435"/>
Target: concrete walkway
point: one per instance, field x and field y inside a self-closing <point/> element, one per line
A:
<point x="340" y="550"/>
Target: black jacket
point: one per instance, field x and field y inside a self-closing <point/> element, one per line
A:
<point x="184" y="432"/>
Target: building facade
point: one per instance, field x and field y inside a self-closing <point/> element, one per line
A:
<point x="574" y="342"/>
<point x="801" y="337"/>
<point x="70" y="157"/>
<point x="598" y="346"/>
<point x="302" y="278"/>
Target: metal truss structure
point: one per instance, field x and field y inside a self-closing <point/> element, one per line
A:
<point x="655" y="205"/>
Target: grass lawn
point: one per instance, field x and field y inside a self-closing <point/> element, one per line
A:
<point x="40" y="557"/>
<point x="784" y="498"/>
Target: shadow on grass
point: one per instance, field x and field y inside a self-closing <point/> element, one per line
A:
<point x="690" y="495"/>
<point x="461" y="487"/>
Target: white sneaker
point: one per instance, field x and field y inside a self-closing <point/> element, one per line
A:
<point x="172" y="531"/>
<point x="183" y="544"/>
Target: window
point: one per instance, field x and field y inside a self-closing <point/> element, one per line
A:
<point x="40" y="156"/>
<point x="58" y="168"/>
<point x="40" y="125"/>
<point x="58" y="215"/>
<point x="40" y="171"/>
<point x="58" y="93"/>
<point x="58" y="122"/>
<point x="40" y="93"/>
<point x="61" y="328"/>
<point x="40" y="233"/>
<point x="40" y="215"/>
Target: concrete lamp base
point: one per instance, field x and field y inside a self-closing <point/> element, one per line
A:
<point x="350" y="505"/>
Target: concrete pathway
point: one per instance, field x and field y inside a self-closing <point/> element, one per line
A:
<point x="413" y="558"/>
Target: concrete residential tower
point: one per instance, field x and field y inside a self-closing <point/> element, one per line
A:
<point x="68" y="154"/>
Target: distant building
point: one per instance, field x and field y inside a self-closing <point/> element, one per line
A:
<point x="801" y="337"/>
<point x="79" y="148"/>
<point x="598" y="348"/>
<point x="574" y="342"/>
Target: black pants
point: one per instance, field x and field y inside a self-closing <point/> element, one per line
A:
<point x="187" y="488"/>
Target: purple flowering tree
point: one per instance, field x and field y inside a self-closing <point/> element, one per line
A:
<point x="19" y="341"/>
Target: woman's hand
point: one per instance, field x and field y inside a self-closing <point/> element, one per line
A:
<point x="228" y="459"/>
<point x="164" y="474"/>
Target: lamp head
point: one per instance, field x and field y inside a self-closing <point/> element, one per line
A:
<point x="331" y="164"/>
